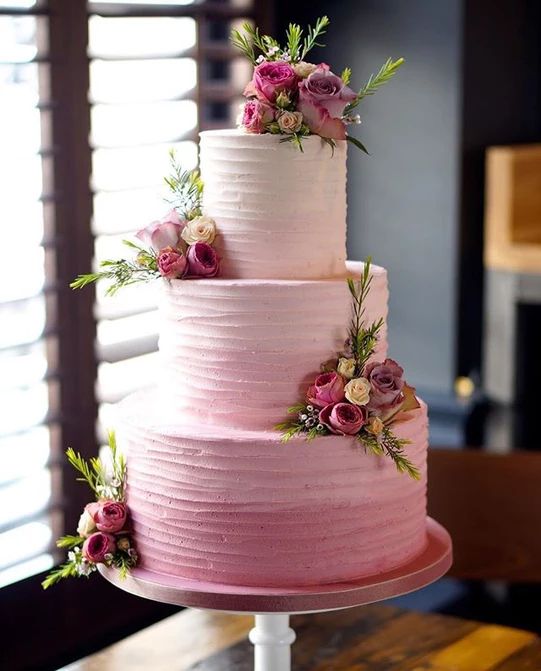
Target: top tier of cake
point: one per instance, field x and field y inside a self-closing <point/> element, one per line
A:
<point x="280" y="212"/>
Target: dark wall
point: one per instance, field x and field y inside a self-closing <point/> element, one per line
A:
<point x="471" y="79"/>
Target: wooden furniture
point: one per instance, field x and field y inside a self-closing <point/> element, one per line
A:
<point x="369" y="638"/>
<point x="491" y="506"/>
<point x="513" y="208"/>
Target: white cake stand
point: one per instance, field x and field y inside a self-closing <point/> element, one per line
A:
<point x="272" y="636"/>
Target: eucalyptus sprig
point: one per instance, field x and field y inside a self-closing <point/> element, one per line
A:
<point x="384" y="74"/>
<point x="186" y="187"/>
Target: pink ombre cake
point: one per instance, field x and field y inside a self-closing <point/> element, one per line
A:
<point x="213" y="493"/>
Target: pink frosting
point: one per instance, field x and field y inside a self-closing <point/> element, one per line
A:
<point x="239" y="507"/>
<point x="240" y="352"/>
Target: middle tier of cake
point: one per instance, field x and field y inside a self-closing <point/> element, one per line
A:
<point x="238" y="353"/>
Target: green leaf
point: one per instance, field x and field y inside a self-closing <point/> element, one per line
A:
<point x="294" y="36"/>
<point x="357" y="143"/>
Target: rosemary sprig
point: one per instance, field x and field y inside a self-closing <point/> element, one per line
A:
<point x="385" y="74"/>
<point x="120" y="273"/>
<point x="67" y="570"/>
<point x="186" y="187"/>
<point x="392" y="446"/>
<point x="81" y="465"/>
<point x="310" y="41"/>
<point x="362" y="339"/>
<point x="294" y="37"/>
<point x="346" y="76"/>
<point x="69" y="541"/>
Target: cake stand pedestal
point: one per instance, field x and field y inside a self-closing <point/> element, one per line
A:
<point x="272" y="636"/>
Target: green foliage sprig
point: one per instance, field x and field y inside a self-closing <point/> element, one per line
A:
<point x="362" y="339"/>
<point x="388" y="444"/>
<point x="384" y="75"/>
<point x="250" y="41"/>
<point x="186" y="187"/>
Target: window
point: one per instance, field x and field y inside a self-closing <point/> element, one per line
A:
<point x="85" y="128"/>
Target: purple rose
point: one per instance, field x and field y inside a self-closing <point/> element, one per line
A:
<point x="344" y="419"/>
<point x="202" y="260"/>
<point x="322" y="99"/>
<point x="270" y="78"/>
<point x="386" y="383"/>
<point x="97" y="546"/>
<point x="256" y="115"/>
<point x="328" y="388"/>
<point x="171" y="263"/>
<point x="109" y="516"/>
<point x="163" y="233"/>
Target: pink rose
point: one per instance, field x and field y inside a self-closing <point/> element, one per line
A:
<point x="270" y="78"/>
<point x="171" y="264"/>
<point x="344" y="419"/>
<point x="256" y="115"/>
<point x="386" y="384"/>
<point x="98" y="546"/>
<point x="322" y="99"/>
<point x="109" y="516"/>
<point x="202" y="260"/>
<point x="163" y="233"/>
<point x="328" y="388"/>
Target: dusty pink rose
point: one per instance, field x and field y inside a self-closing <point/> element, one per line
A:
<point x="98" y="546"/>
<point x="386" y="383"/>
<point x="270" y="78"/>
<point x="322" y="99"/>
<point x="256" y="115"/>
<point x="109" y="516"/>
<point x="202" y="260"/>
<point x="163" y="233"/>
<point x="171" y="263"/>
<point x="343" y="418"/>
<point x="328" y="388"/>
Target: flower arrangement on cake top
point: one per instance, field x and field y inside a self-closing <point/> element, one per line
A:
<point x="292" y="97"/>
<point x="178" y="246"/>
<point x="357" y="396"/>
<point x="103" y="533"/>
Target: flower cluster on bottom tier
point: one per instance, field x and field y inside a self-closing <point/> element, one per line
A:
<point x="238" y="507"/>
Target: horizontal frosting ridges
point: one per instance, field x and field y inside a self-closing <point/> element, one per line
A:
<point x="239" y="353"/>
<point x="239" y="507"/>
<point x="280" y="213"/>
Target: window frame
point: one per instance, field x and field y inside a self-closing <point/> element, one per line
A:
<point x="44" y="630"/>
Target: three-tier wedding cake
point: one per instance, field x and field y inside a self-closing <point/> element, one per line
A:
<point x="282" y="447"/>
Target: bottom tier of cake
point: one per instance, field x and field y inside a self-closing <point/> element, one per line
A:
<point x="241" y="508"/>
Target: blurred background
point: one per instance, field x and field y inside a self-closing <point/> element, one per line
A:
<point x="93" y="95"/>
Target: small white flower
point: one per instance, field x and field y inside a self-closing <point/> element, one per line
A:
<point x="290" y="122"/>
<point x="200" y="229"/>
<point x="260" y="59"/>
<point x="272" y="51"/>
<point x="356" y="118"/>
<point x="85" y="568"/>
<point x="286" y="57"/>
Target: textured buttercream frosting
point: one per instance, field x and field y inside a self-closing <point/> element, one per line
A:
<point x="239" y="507"/>
<point x="239" y="352"/>
<point x="280" y="212"/>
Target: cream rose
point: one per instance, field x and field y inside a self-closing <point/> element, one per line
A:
<point x="200" y="229"/>
<point x="304" y="69"/>
<point x="86" y="524"/>
<point x="357" y="391"/>
<point x="290" y="122"/>
<point x="346" y="368"/>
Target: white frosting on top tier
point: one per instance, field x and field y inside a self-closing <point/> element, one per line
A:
<point x="238" y="353"/>
<point x="280" y="212"/>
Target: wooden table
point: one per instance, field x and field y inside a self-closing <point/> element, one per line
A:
<point x="368" y="638"/>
